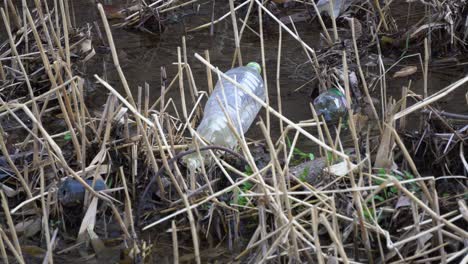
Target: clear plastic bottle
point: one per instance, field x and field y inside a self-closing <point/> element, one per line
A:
<point x="338" y="6"/>
<point x="239" y="106"/>
<point x="331" y="104"/>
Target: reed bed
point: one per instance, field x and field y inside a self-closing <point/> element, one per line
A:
<point x="373" y="199"/>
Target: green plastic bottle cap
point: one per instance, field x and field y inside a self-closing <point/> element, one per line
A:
<point x="255" y="66"/>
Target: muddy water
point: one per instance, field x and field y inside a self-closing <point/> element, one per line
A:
<point x="142" y="55"/>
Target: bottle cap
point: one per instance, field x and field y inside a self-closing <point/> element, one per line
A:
<point x="255" y="66"/>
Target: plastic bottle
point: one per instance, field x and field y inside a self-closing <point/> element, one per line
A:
<point x="72" y="192"/>
<point x="331" y="104"/>
<point x="239" y="106"/>
<point x="338" y="6"/>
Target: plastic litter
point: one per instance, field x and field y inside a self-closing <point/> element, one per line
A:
<point x="72" y="192"/>
<point x="241" y="109"/>
<point x="331" y="104"/>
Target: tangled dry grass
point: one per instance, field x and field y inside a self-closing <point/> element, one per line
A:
<point x="370" y="201"/>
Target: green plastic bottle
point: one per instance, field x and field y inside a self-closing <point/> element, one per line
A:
<point x="331" y="105"/>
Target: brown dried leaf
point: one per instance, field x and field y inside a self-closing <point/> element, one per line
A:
<point x="29" y="227"/>
<point x="406" y="71"/>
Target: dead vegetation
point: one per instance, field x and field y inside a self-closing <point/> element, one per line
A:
<point x="114" y="182"/>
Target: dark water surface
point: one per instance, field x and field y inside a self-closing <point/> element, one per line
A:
<point x="142" y="55"/>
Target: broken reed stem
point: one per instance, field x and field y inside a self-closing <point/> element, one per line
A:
<point x="12" y="165"/>
<point x="208" y="73"/>
<point x="278" y="85"/>
<point x="315" y="223"/>
<point x="2" y="72"/>
<point x="246" y="18"/>
<point x="381" y="14"/>
<point x="16" y="18"/>
<point x="181" y="194"/>
<point x="132" y="104"/>
<point x="426" y="68"/>
<point x="237" y="52"/>
<point x="192" y="86"/>
<point x="363" y="78"/>
<point x="3" y="251"/>
<point x="322" y="24"/>
<point x="11" y="225"/>
<point x="282" y="186"/>
<point x="437" y="222"/>
<point x="428" y="210"/>
<point x="128" y="205"/>
<point x="17" y="255"/>
<point x="26" y="79"/>
<point x="333" y="19"/>
<point x="59" y="155"/>
<point x="356" y="195"/>
<point x="265" y="80"/>
<point x="53" y="82"/>
<point x="335" y="239"/>
<point x="181" y="85"/>
<point x="45" y="215"/>
<point x="175" y="244"/>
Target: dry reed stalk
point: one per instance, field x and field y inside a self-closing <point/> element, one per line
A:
<point x="45" y="215"/>
<point x="2" y="71"/>
<point x="175" y="244"/>
<point x="428" y="210"/>
<point x="49" y="250"/>
<point x="219" y="19"/>
<point x="209" y="198"/>
<point x="381" y="14"/>
<point x="11" y="225"/>
<point x="246" y="19"/>
<point x="48" y="70"/>
<point x="16" y="254"/>
<point x="110" y="39"/>
<point x="315" y="223"/>
<point x="319" y="129"/>
<point x="14" y="13"/>
<point x="282" y="186"/>
<point x="208" y="73"/>
<point x="65" y="32"/>
<point x="128" y="208"/>
<point x="192" y="86"/>
<point x="333" y="19"/>
<point x="265" y="80"/>
<point x="426" y="68"/>
<point x="181" y="85"/>
<point x="437" y="222"/>
<point x="322" y="24"/>
<point x="58" y="154"/>
<point x="333" y="236"/>
<point x="26" y="79"/>
<point x="361" y="74"/>
<point x="3" y="251"/>
<point x="237" y="53"/>
<point x="12" y="165"/>
<point x="278" y="86"/>
<point x="193" y="228"/>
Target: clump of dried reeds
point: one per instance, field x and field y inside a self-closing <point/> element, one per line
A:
<point x="363" y="203"/>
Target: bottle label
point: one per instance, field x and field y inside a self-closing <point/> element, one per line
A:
<point x="336" y="92"/>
